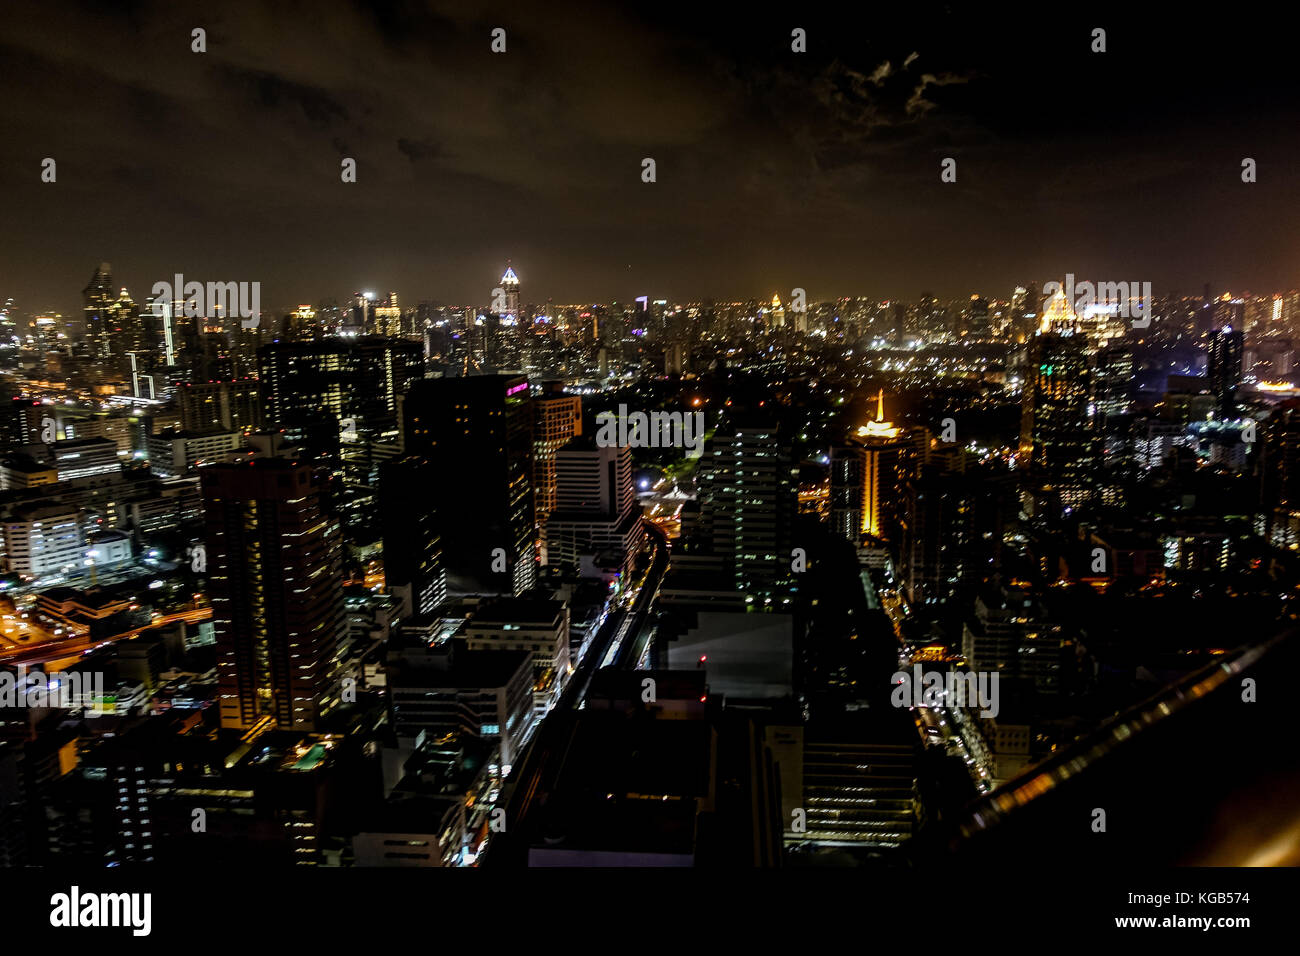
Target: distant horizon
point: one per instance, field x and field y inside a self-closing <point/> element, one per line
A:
<point x="1192" y="291"/>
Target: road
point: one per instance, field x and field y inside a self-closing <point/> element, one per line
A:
<point x="616" y="639"/>
<point x="938" y="726"/>
<point x="80" y="644"/>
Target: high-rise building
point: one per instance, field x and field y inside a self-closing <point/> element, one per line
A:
<point x="220" y="406"/>
<point x="776" y="314"/>
<point x="557" y="418"/>
<point x="274" y="567"/>
<point x="1224" y="368"/>
<point x="596" y="524"/>
<point x="1058" y="447"/>
<point x="510" y="287"/>
<point x="952" y="530"/>
<point x="479" y="430"/>
<point x="388" y="316"/>
<point x="975" y="319"/>
<point x="748" y="501"/>
<point x="866" y="479"/>
<point x="1113" y="393"/>
<point x="1279" y="516"/>
<point x="313" y="389"/>
<point x="109" y="315"/>
<point x="413" y="570"/>
<point x="360" y="319"/>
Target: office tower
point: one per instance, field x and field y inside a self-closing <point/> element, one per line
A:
<point x="510" y="287"/>
<point x="1058" y="448"/>
<point x="976" y="317"/>
<point x="220" y="406"/>
<point x="143" y="382"/>
<point x="166" y="325"/>
<point x="100" y="312"/>
<point x="479" y="431"/>
<point x="311" y="389"/>
<point x="388" y="316"/>
<point x="1114" y="382"/>
<point x="866" y="479"/>
<point x="1113" y="388"/>
<point x="557" y="418"/>
<point x="1279" y="514"/>
<point x="413" y="570"/>
<point x="359" y="319"/>
<point x="596" y="524"/>
<point x="952" y="530"/>
<point x="748" y="503"/>
<point x="274" y="568"/>
<point x="1224" y="368"/>
<point x="83" y="457"/>
<point x="1022" y="318"/>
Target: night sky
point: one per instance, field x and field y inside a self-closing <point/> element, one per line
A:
<point x="775" y="169"/>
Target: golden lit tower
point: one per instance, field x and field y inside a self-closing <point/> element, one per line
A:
<point x="776" y="315"/>
<point x="865" y="477"/>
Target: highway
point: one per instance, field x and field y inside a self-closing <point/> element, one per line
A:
<point x="80" y="644"/>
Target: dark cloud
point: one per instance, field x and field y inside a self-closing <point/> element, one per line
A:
<point x="775" y="169"/>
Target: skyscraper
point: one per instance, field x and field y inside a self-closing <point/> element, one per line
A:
<point x="557" y="419"/>
<point x="1224" y="368"/>
<point x="274" y="565"/>
<point x="413" y="568"/>
<point x="1058" y="447"/>
<point x="510" y="286"/>
<point x="747" y="493"/>
<point x="388" y="316"/>
<point x="111" y="322"/>
<point x="313" y="388"/>
<point x="866" y="479"/>
<point x="479" y="430"/>
<point x="776" y="314"/>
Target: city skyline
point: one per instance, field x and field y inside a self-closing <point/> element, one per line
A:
<point x="647" y="438"/>
<point x="377" y="293"/>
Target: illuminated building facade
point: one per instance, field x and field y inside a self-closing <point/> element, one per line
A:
<point x="866" y="475"/>
<point x="510" y="286"/>
<point x="274" y="566"/>
<point x="312" y="388"/>
<point x="1224" y="368"/>
<point x="557" y="420"/>
<point x="749" y="502"/>
<point x="1058" y="447"/>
